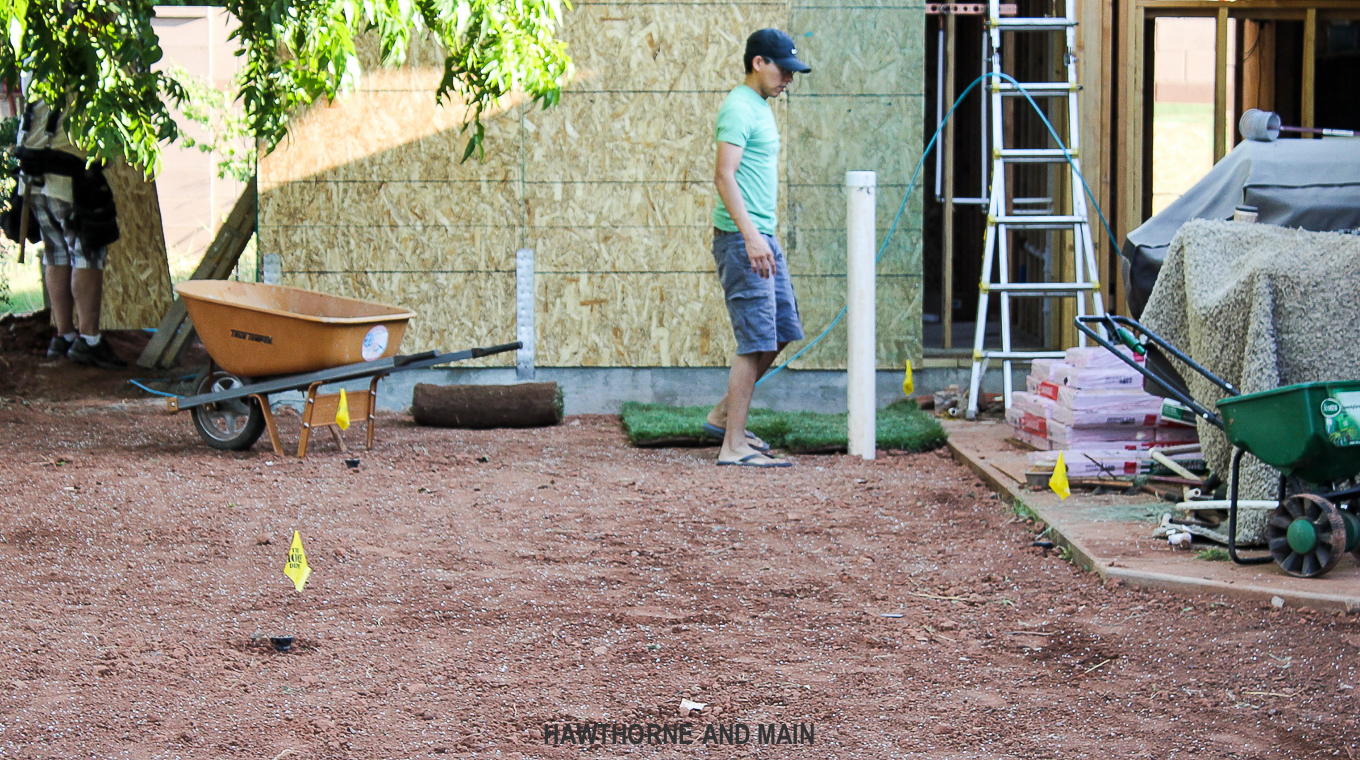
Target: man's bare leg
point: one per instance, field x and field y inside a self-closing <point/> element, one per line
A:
<point x="718" y="415"/>
<point x="58" y="280"/>
<point x="87" y="285"/>
<point x="741" y="384"/>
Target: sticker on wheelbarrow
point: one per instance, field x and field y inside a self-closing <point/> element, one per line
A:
<point x="1340" y="411"/>
<point x="375" y="343"/>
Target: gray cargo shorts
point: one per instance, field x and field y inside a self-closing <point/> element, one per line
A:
<point x="764" y="310"/>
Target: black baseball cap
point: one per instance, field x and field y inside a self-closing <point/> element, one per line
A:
<point x="774" y="45"/>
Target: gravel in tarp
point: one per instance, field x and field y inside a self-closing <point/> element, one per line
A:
<point x="1260" y="306"/>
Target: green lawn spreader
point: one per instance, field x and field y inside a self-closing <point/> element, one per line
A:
<point x="1309" y="432"/>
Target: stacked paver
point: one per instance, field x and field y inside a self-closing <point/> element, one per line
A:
<point x="1093" y="403"/>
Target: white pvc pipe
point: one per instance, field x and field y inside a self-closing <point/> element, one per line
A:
<point x="524" y="313"/>
<point x="860" y="189"/>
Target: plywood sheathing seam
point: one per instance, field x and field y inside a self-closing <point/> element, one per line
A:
<point x="612" y="188"/>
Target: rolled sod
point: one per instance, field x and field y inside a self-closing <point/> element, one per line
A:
<point x="487" y="406"/>
<point x="899" y="426"/>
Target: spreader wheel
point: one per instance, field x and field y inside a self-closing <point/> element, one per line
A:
<point x="232" y="425"/>
<point x="1307" y="535"/>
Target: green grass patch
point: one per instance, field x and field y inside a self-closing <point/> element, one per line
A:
<point x="900" y="426"/>
<point x="1213" y="555"/>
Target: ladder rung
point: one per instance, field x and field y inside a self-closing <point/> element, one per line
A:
<point x="1013" y="355"/>
<point x="1052" y="221"/>
<point x="1037" y="288"/>
<point x="1037" y="89"/>
<point x="1035" y="155"/>
<point x="1033" y="24"/>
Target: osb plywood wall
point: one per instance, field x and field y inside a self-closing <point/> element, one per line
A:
<point x="612" y="188"/>
<point x="137" y="275"/>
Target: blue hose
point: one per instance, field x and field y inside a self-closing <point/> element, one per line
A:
<point x="138" y="382"/>
<point x="912" y="186"/>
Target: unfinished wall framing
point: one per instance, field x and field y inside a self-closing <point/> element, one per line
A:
<point x="612" y="188"/>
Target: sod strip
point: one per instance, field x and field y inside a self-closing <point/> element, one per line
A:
<point x="900" y="426"/>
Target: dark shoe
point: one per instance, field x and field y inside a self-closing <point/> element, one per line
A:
<point x="99" y="355"/>
<point x="58" y="348"/>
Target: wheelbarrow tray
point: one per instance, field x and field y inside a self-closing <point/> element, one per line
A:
<point x="1309" y="430"/>
<point x="257" y="330"/>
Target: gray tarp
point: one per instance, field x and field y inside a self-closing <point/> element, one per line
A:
<point x="1309" y="184"/>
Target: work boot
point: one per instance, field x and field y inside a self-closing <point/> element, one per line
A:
<point x="98" y="355"/>
<point x="59" y="347"/>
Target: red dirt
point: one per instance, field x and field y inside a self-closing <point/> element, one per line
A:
<point x="471" y="586"/>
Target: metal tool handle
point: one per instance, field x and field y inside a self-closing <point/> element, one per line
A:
<point x="1116" y="325"/>
<point x="405" y="359"/>
<point x="502" y="348"/>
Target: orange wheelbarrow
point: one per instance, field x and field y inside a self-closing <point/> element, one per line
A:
<point x="264" y="339"/>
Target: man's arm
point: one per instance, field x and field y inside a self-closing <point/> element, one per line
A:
<point x="725" y="177"/>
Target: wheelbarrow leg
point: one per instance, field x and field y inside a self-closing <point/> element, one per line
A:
<point x="372" y="405"/>
<point x="269" y="424"/>
<point x="1232" y="514"/>
<point x="308" y="414"/>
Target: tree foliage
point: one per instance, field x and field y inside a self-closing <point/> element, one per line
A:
<point x="97" y="57"/>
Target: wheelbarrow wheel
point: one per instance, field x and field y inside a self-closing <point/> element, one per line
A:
<point x="1307" y="535"/>
<point x="232" y="425"/>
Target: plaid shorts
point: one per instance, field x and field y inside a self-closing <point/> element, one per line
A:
<point x="61" y="244"/>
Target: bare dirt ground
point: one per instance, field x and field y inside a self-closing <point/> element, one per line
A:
<point x="471" y="586"/>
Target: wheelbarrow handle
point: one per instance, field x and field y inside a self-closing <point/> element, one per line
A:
<point x="1125" y="328"/>
<point x="405" y="359"/>
<point x="502" y="348"/>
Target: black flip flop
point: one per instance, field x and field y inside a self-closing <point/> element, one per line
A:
<point x="746" y="462"/>
<point x="720" y="433"/>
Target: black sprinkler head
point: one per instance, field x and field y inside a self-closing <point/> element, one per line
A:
<point x="353" y="464"/>
<point x="281" y="643"/>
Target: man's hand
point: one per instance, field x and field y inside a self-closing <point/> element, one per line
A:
<point x="762" y="258"/>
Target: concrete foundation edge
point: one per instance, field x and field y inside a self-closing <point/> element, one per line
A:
<point x="602" y="390"/>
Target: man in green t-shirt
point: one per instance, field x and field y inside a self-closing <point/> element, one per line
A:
<point x="751" y="265"/>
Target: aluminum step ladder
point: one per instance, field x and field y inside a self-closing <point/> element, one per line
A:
<point x="1006" y="213"/>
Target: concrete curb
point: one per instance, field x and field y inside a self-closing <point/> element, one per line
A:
<point x="1088" y="560"/>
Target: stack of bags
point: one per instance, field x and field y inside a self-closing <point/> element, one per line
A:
<point x="1094" y="403"/>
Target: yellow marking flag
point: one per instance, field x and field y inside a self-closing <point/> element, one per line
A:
<point x="907" y="385"/>
<point x="342" y="413"/>
<point x="297" y="568"/>
<point x="1059" y="482"/>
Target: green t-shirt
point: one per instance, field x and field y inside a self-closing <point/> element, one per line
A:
<point x="746" y="121"/>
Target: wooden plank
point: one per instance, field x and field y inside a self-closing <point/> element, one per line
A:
<point x="1221" y="85"/>
<point x="1309" y="65"/>
<point x="1128" y="137"/>
<point x="175" y="330"/>
<point x="1239" y="7"/>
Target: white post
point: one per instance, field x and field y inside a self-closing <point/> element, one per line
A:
<point x="860" y="189"/>
<point x="524" y="313"/>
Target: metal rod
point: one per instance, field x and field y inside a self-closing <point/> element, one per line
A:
<point x="1109" y="322"/>
<point x="939" y="111"/>
<point x="947" y="246"/>
<point x="1232" y="515"/>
